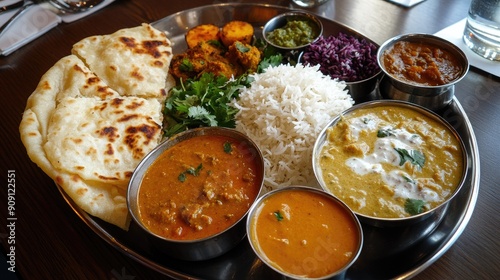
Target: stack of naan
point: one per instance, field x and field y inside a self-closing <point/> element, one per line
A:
<point x="96" y="113"/>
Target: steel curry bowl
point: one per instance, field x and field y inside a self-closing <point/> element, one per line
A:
<point x="304" y="233"/>
<point x="422" y="69"/>
<point x="392" y="162"/>
<point x="193" y="207"/>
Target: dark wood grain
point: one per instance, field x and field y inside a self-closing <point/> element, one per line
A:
<point x="52" y="242"/>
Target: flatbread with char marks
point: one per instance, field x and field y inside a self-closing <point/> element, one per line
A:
<point x="88" y="132"/>
<point x="132" y="61"/>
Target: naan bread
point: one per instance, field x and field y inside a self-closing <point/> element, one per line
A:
<point x="132" y="61"/>
<point x="105" y="141"/>
<point x="88" y="132"/>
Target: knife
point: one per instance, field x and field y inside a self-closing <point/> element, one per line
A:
<point x="11" y="7"/>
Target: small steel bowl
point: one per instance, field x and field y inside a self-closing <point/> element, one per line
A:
<point x="255" y="211"/>
<point x="281" y="20"/>
<point x="200" y="249"/>
<point x="381" y="222"/>
<point x="359" y="90"/>
<point x="431" y="97"/>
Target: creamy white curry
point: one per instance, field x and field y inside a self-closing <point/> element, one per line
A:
<point x="391" y="161"/>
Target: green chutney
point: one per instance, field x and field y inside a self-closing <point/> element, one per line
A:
<point x="295" y="33"/>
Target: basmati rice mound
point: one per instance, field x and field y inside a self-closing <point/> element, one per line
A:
<point x="283" y="111"/>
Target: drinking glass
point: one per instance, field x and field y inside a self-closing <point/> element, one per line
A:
<point x="482" y="29"/>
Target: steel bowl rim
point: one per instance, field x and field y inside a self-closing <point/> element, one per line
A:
<point x="283" y="16"/>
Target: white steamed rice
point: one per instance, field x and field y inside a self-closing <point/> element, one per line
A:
<point x="283" y="111"/>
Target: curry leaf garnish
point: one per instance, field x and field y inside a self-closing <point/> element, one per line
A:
<point x="194" y="171"/>
<point x="385" y="132"/>
<point x="414" y="206"/>
<point x="186" y="65"/>
<point x="182" y="177"/>
<point x="366" y="120"/>
<point x="241" y="48"/>
<point x="216" y="43"/>
<point x="408" y="179"/>
<point x="278" y="215"/>
<point x="413" y="156"/>
<point x="191" y="171"/>
<point x="228" y="148"/>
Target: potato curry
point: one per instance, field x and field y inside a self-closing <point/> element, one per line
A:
<point x="224" y="51"/>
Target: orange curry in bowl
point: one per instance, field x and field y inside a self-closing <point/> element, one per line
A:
<point x="199" y="187"/>
<point x="304" y="233"/>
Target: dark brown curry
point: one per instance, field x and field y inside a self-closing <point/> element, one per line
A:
<point x="421" y="63"/>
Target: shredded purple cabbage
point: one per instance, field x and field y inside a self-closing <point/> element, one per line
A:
<point x="343" y="57"/>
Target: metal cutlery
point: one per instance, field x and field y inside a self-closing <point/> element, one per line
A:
<point x="9" y="7"/>
<point x="66" y="6"/>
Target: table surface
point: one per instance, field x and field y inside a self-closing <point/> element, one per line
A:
<point x="51" y="241"/>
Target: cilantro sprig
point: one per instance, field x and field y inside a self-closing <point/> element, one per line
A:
<point x="204" y="101"/>
<point x="227" y="147"/>
<point x="415" y="157"/>
<point x="191" y="171"/>
<point x="414" y="206"/>
<point x="278" y="215"/>
<point x="385" y="132"/>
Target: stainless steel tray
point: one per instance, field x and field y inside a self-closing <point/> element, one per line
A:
<point x="387" y="253"/>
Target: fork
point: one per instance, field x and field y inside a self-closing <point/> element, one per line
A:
<point x="64" y="6"/>
<point x="24" y="7"/>
<point x="9" y="7"/>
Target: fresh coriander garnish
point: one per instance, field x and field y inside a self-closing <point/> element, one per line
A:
<point x="278" y="215"/>
<point x="408" y="179"/>
<point x="273" y="59"/>
<point x="191" y="171"/>
<point x="414" y="206"/>
<point x="194" y="171"/>
<point x="203" y="102"/>
<point x="385" y="132"/>
<point x="216" y="43"/>
<point x="228" y="148"/>
<point x="210" y="96"/>
<point x="186" y="65"/>
<point x="413" y="156"/>
<point x="242" y="48"/>
<point x="182" y="177"/>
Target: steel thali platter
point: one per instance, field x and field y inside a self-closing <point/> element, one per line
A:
<point x="405" y="251"/>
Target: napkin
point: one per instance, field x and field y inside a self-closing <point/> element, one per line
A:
<point x="453" y="33"/>
<point x="34" y="22"/>
<point x="406" y="3"/>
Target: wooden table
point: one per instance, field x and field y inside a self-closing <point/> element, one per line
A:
<point x="51" y="242"/>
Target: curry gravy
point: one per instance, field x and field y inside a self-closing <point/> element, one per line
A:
<point x="199" y="187"/>
<point x="382" y="160"/>
<point x="304" y="233"/>
<point x="421" y="63"/>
